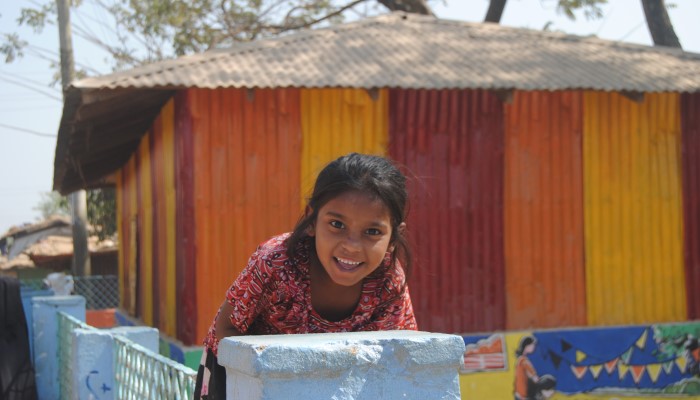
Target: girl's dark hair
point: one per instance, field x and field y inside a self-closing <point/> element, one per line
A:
<point x="365" y="173"/>
<point x="524" y="342"/>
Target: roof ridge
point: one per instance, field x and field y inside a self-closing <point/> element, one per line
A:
<point x="215" y="54"/>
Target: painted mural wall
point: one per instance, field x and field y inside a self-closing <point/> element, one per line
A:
<point x="631" y="362"/>
<point x="553" y="209"/>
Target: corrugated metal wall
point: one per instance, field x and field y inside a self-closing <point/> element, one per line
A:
<point x="127" y="202"/>
<point x="162" y="154"/>
<point x="499" y="193"/>
<point x="543" y="211"/>
<point x="144" y="281"/>
<point x="246" y="144"/>
<point x="185" y="249"/>
<point x="146" y="224"/>
<point x="452" y="140"/>
<point x="338" y="121"/>
<point x="690" y="140"/>
<point x="633" y="209"/>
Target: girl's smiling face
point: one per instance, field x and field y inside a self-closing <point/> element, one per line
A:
<point x="352" y="233"/>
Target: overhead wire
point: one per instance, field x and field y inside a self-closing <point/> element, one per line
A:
<point x="17" y="128"/>
<point x="24" y="85"/>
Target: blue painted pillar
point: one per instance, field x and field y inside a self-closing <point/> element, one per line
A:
<point x="27" y="296"/>
<point x="44" y="315"/>
<point x="352" y="366"/>
<point x="92" y="361"/>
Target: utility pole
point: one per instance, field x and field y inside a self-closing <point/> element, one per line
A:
<point x="78" y="199"/>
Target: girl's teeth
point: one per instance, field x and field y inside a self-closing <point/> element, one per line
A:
<point x="347" y="261"/>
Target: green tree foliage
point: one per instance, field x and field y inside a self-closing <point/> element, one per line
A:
<point x="591" y="8"/>
<point x="101" y="209"/>
<point x="52" y="203"/>
<point x="144" y="31"/>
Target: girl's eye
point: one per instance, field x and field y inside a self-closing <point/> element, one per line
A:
<point x="374" y="232"/>
<point x="336" y="224"/>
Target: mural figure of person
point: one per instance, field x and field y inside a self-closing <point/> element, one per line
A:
<point x="528" y="385"/>
<point x="525" y="373"/>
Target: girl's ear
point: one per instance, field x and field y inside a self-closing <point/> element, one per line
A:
<point x="400" y="231"/>
<point x="311" y="229"/>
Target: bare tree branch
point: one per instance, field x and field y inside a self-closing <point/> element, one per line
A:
<point x="283" y="28"/>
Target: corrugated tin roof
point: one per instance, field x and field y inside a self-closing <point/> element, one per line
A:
<point x="416" y="51"/>
<point x="105" y="117"/>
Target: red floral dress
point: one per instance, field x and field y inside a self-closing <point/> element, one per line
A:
<point x="273" y="296"/>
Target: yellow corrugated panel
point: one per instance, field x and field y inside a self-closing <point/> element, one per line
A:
<point x="633" y="209"/>
<point x="145" y="231"/>
<point x="339" y="121"/>
<point x="168" y="116"/>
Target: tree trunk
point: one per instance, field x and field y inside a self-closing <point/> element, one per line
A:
<point x="495" y="11"/>
<point x="659" y="24"/>
<point x="411" y="6"/>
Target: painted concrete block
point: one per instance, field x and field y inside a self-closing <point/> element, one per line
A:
<point x="45" y="320"/>
<point x="93" y="359"/>
<point x="348" y="366"/>
<point x="27" y="296"/>
<point x="142" y="335"/>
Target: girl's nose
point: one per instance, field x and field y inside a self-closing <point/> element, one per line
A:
<point x="351" y="242"/>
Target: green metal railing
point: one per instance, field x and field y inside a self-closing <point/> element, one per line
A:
<point x="100" y="291"/>
<point x="66" y="325"/>
<point x="142" y="374"/>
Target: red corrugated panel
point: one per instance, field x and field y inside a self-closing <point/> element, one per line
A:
<point x="690" y="148"/>
<point x="452" y="140"/>
<point x="544" y="211"/>
<point x="185" y="267"/>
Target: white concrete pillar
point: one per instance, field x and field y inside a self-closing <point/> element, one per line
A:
<point x="350" y="366"/>
<point x="44" y="315"/>
<point x="92" y="361"/>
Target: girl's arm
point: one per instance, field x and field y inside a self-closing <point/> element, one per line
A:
<point x="223" y="327"/>
<point x="396" y="313"/>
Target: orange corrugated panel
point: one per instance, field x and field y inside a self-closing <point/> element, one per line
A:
<point x="339" y="121"/>
<point x="145" y="232"/>
<point x="633" y="209"/>
<point x="159" y="229"/>
<point x="246" y="179"/>
<point x="543" y="209"/>
<point x="690" y="147"/>
<point x="452" y="141"/>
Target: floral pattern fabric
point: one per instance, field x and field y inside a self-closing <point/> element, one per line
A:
<point x="272" y="295"/>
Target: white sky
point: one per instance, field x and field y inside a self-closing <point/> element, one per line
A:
<point x="28" y="103"/>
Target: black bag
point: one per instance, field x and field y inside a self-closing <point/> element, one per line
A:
<point x="17" y="380"/>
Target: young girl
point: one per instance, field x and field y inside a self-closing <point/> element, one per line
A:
<point x="342" y="269"/>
